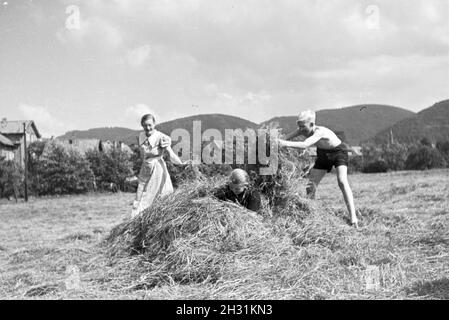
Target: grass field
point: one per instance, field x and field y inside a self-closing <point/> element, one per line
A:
<point x="46" y="243"/>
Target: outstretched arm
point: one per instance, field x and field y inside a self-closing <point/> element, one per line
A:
<point x="300" y="144"/>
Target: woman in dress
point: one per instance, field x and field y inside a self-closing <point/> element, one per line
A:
<point x="154" y="179"/>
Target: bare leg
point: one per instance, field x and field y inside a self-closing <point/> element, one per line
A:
<point x="343" y="183"/>
<point x="315" y="177"/>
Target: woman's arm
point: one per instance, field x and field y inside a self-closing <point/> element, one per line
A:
<point x="173" y="156"/>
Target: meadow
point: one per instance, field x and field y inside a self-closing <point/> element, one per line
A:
<point x="55" y="248"/>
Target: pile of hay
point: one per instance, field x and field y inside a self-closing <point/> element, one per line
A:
<point x="193" y="239"/>
<point x="187" y="239"/>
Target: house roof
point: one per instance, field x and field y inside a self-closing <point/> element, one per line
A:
<point x="16" y="127"/>
<point x="5" y="141"/>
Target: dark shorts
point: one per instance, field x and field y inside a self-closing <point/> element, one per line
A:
<point x="334" y="157"/>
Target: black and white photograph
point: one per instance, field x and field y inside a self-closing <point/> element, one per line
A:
<point x="223" y="150"/>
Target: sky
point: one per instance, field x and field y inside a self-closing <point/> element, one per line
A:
<point x="70" y="64"/>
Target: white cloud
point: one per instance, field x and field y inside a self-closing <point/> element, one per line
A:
<point x="255" y="98"/>
<point x="136" y="112"/>
<point x="138" y="56"/>
<point x="47" y="124"/>
<point x="258" y="58"/>
<point x="94" y="31"/>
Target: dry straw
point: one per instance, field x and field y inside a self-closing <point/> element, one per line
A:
<point x="294" y="248"/>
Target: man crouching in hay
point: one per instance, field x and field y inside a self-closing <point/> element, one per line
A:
<point x="239" y="190"/>
<point x="331" y="151"/>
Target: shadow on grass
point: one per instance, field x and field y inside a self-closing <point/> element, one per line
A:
<point x="433" y="240"/>
<point x="436" y="289"/>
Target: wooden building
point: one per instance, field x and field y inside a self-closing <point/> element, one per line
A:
<point x="12" y="138"/>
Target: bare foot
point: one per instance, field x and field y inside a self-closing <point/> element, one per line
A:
<point x="355" y="224"/>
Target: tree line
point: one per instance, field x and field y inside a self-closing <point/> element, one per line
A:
<point x="54" y="169"/>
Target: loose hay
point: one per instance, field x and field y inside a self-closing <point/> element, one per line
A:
<point x="294" y="249"/>
<point x="186" y="240"/>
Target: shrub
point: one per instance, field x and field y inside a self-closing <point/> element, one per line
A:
<point x="136" y="159"/>
<point x="61" y="170"/>
<point x="35" y="151"/>
<point x="11" y="179"/>
<point x="380" y="158"/>
<point x="443" y="148"/>
<point x="355" y="164"/>
<point x="375" y="166"/>
<point x="110" y="168"/>
<point x="424" y="157"/>
<point x="395" y="156"/>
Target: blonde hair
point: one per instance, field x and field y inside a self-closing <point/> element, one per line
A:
<point x="239" y="176"/>
<point x="307" y="115"/>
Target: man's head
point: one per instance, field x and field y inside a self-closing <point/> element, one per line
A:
<point x="306" y="122"/>
<point x="238" y="181"/>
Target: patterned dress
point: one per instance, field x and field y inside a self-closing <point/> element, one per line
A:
<point x="154" y="179"/>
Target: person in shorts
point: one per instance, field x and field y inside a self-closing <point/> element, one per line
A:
<point x="331" y="152"/>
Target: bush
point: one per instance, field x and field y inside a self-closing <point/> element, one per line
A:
<point x="136" y="159"/>
<point x="11" y="179"/>
<point x="424" y="157"/>
<point x="355" y="164"/>
<point x="395" y="156"/>
<point x="375" y="166"/>
<point x="60" y="171"/>
<point x="380" y="158"/>
<point x="110" y="168"/>
<point x="443" y="148"/>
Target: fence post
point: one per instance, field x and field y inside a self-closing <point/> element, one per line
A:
<point x="25" y="160"/>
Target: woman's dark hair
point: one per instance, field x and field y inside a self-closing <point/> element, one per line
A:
<point x="147" y="117"/>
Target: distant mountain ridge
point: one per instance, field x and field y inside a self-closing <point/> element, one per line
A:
<point x="107" y="133"/>
<point x="432" y="122"/>
<point x="128" y="136"/>
<point x="358" y="123"/>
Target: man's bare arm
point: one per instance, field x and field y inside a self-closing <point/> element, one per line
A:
<point x="301" y="144"/>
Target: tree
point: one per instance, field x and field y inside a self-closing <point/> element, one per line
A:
<point x="11" y="179"/>
<point x="443" y="148"/>
<point x="60" y="171"/>
<point x="424" y="157"/>
<point x="394" y="156"/>
<point x="110" y="168"/>
<point x="375" y="166"/>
